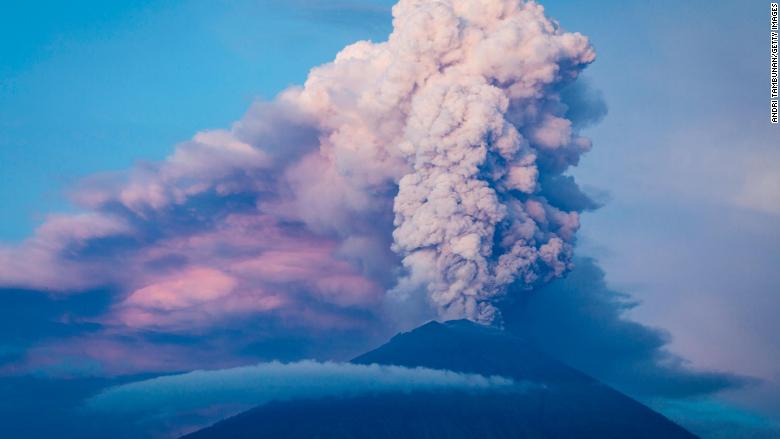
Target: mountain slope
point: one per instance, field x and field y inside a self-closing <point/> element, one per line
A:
<point x="562" y="402"/>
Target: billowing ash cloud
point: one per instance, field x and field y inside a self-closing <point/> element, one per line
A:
<point x="484" y="121"/>
<point x="430" y="166"/>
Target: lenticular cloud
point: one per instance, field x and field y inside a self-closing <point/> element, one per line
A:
<point x="414" y="168"/>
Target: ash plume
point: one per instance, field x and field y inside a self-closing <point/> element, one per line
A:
<point x="411" y="171"/>
<point x="485" y="122"/>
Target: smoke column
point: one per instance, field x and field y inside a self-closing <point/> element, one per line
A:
<point x="484" y="120"/>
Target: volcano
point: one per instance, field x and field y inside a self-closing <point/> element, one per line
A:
<point x="558" y="402"/>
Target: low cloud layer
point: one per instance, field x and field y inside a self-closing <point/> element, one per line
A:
<point x="713" y="419"/>
<point x="171" y="405"/>
<point x="254" y="385"/>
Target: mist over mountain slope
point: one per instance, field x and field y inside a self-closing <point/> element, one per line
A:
<point x="557" y="402"/>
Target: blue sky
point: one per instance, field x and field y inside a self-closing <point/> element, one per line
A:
<point x="685" y="158"/>
<point x="94" y="86"/>
<point x="692" y="167"/>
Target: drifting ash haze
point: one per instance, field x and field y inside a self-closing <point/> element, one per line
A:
<point x="424" y="169"/>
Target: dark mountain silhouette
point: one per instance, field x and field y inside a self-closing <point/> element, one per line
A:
<point x="561" y="403"/>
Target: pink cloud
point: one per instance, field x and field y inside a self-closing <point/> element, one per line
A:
<point x="248" y="265"/>
<point x="194" y="286"/>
